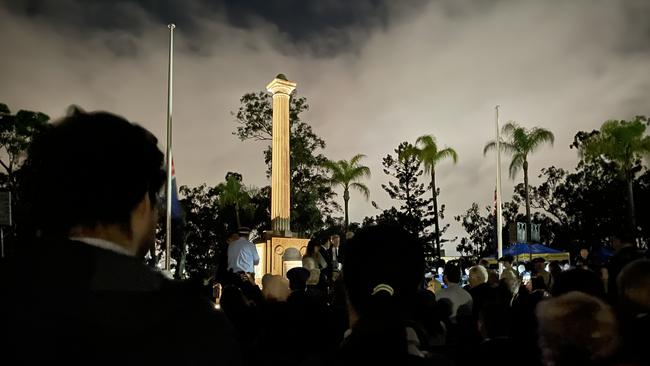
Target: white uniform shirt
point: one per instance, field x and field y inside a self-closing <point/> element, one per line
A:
<point x="458" y="297"/>
<point x="242" y="256"/>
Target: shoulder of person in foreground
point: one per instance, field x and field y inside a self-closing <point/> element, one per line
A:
<point x="205" y="334"/>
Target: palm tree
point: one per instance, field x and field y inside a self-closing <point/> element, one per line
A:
<point x="520" y="142"/>
<point x="347" y="175"/>
<point x="624" y="144"/>
<point x="426" y="149"/>
<point x="233" y="194"/>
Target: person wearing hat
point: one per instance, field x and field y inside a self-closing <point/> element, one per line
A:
<point x="242" y="254"/>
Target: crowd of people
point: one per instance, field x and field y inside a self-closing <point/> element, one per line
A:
<point x="79" y="292"/>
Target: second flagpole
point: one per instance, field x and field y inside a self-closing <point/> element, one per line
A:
<point x="498" y="188"/>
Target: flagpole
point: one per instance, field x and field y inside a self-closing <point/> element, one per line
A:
<point x="499" y="208"/>
<point x="168" y="224"/>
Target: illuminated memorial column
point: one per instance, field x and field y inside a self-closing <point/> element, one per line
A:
<point x="280" y="178"/>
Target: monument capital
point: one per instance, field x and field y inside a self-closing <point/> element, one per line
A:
<point x="280" y="85"/>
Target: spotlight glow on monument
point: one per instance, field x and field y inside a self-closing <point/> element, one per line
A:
<point x="281" y="251"/>
<point x="280" y="175"/>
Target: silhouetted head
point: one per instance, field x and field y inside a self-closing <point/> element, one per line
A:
<point x="555" y="269"/>
<point x="576" y="329"/>
<point x="95" y="173"/>
<point x="633" y="284"/>
<point x="507" y="260"/>
<point x="298" y="277"/>
<point x="579" y="279"/>
<point x="312" y="248"/>
<point x="383" y="268"/>
<point x="493" y="278"/>
<point x="452" y="273"/>
<point x="538" y="283"/>
<point x="397" y="261"/>
<point x="540" y="264"/>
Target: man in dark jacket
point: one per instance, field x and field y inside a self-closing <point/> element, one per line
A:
<point x="482" y="293"/>
<point x="78" y="292"/>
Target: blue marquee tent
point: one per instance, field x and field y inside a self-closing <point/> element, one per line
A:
<point x="522" y="248"/>
<point x="522" y="251"/>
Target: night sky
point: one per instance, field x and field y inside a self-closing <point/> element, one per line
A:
<point x="375" y="73"/>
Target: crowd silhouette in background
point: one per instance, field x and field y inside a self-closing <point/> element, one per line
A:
<point x="79" y="293"/>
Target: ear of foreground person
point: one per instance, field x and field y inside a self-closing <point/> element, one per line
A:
<point x="78" y="291"/>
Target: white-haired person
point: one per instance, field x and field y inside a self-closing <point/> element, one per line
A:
<point x="480" y="290"/>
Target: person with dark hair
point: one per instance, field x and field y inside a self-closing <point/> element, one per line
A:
<point x="493" y="278"/>
<point x="539" y="290"/>
<point x="555" y="270"/>
<point x="524" y="331"/>
<point x="78" y="289"/>
<point x="326" y="253"/>
<point x="335" y="245"/>
<point x="381" y="298"/>
<point x="298" y="277"/>
<point x="459" y="299"/>
<point x="507" y="261"/>
<point x="578" y="279"/>
<point x="314" y="251"/>
<point x="309" y="305"/>
<point x="426" y="314"/>
<point x="540" y="271"/>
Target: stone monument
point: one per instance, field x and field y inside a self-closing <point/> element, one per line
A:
<point x="281" y="89"/>
<point x="281" y="251"/>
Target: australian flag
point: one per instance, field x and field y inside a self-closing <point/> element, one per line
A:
<point x="177" y="212"/>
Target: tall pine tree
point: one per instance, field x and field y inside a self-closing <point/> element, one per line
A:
<point x="415" y="213"/>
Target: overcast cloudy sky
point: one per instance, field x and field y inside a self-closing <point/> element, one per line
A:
<point x="375" y="73"/>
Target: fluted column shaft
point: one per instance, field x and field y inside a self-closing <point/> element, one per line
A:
<point x="280" y="172"/>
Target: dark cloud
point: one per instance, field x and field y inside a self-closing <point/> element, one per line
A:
<point x="637" y="14"/>
<point x="321" y="27"/>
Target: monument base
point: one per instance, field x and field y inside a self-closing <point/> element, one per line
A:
<point x="278" y="255"/>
